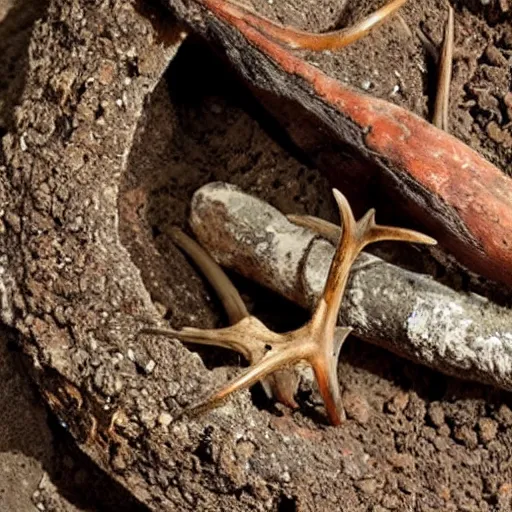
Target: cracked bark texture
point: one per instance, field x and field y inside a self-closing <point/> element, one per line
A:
<point x="458" y="197"/>
<point x="70" y="290"/>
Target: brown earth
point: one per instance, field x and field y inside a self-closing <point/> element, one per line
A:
<point x="415" y="439"/>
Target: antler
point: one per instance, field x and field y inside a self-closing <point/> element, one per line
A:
<point x="318" y="342"/>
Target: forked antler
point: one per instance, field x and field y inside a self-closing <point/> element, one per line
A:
<point x="318" y="342"/>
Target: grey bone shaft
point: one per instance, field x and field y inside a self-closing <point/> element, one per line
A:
<point x="404" y="312"/>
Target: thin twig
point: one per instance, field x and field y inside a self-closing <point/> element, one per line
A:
<point x="227" y="293"/>
<point x="429" y="46"/>
<point x="404" y="24"/>
<point x="440" y="118"/>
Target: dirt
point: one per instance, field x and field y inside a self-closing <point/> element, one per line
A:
<point x="414" y="439"/>
<point x="39" y="466"/>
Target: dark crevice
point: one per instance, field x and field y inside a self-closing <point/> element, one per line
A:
<point x="287" y="504"/>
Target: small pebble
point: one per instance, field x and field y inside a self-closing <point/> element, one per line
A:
<point x="466" y="436"/>
<point x="488" y="429"/>
<point x="164" y="419"/>
<point x="285" y="477"/>
<point x="150" y="366"/>
<point x="173" y="388"/>
<point x="368" y="485"/>
<point x="366" y="85"/>
<point x="356" y="407"/>
<point x="436" y="414"/>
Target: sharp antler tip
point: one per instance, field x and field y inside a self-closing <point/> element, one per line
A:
<point x="340" y="199"/>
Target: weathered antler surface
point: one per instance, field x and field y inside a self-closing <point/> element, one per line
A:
<point x="319" y="341"/>
<point x="463" y="200"/>
<point x="407" y="313"/>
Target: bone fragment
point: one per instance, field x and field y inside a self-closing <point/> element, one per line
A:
<point x="407" y="313"/>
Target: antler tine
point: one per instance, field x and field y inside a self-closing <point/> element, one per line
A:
<point x="324" y="228"/>
<point x="278" y="357"/>
<point x="346" y="252"/>
<point x="228" y="337"/>
<point x="332" y="232"/>
<point x="302" y="40"/>
<point x="233" y="337"/>
<point x="370" y="232"/>
<point x="323" y="324"/>
<point x="354" y="237"/>
<point x="228" y="294"/>
<point x="325" y="367"/>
